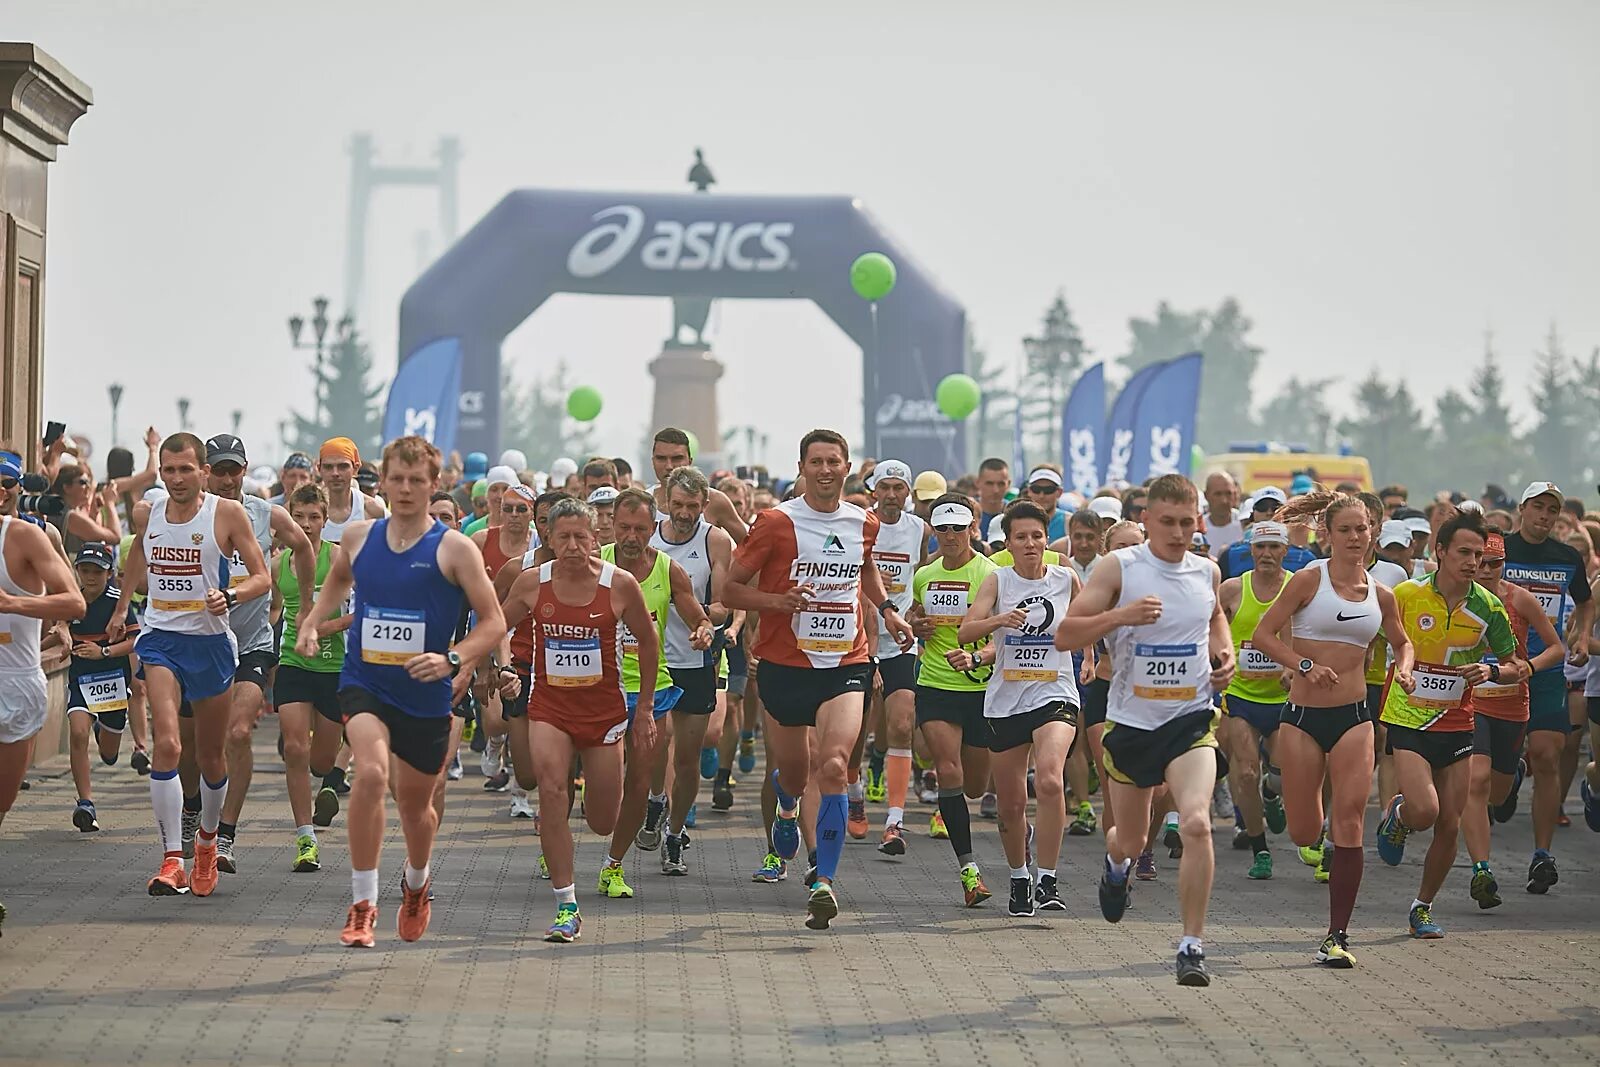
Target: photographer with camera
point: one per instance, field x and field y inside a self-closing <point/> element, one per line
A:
<point x="91" y="511"/>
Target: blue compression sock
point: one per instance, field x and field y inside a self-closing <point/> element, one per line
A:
<point x="831" y="819"/>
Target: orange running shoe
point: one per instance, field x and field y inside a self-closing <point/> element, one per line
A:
<point x="170" y="881"/>
<point x="358" y="925"/>
<point x="415" y="911"/>
<point x="856" y="822"/>
<point x="894" y="840"/>
<point x="204" y="879"/>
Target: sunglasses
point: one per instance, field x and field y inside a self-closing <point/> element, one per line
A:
<point x="1044" y="487"/>
<point x="9" y="484"/>
<point x="950" y="529"/>
<point x="516" y="509"/>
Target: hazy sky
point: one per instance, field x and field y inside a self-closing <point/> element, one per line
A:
<point x="1377" y="183"/>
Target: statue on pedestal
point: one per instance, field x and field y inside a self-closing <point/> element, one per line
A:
<point x="692" y="311"/>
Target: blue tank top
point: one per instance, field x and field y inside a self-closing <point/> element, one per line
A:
<point x="404" y="606"/>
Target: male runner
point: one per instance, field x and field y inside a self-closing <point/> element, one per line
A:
<point x="1554" y="573"/>
<point x="408" y="573"/>
<point x="181" y="556"/>
<point x="337" y="463"/>
<point x="811" y="559"/>
<point x="669" y="451"/>
<point x="97" y="680"/>
<point x="1157" y="606"/>
<point x="505" y="723"/>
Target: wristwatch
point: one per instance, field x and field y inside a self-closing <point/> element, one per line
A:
<point x="886" y="607"/>
<point x="230" y="598"/>
<point x="505" y="668"/>
<point x="454" y="660"/>
<point x="1305" y="667"/>
<point x="1494" y="672"/>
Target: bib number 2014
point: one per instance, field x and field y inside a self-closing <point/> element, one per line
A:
<point x="1166" y="672"/>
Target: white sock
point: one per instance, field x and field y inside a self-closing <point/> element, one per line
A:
<point x="1019" y="872"/>
<point x="1047" y="872"/>
<point x="896" y="815"/>
<point x="659" y="798"/>
<point x="1420" y="903"/>
<point x="211" y="797"/>
<point x="364" y="886"/>
<point x="1172" y="818"/>
<point x="166" y="800"/>
<point x="569" y="895"/>
<point x="1190" y="944"/>
<point x="416" y="878"/>
<point x="306" y="831"/>
<point x="856" y="790"/>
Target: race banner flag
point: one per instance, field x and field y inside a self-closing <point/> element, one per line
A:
<point x="1163" y="427"/>
<point x="1083" y="421"/>
<point x="1118" y="438"/>
<point x="424" y="398"/>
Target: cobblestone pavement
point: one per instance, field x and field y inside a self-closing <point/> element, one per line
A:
<point x="714" y="969"/>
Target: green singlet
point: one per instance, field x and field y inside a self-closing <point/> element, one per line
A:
<point x="945" y="596"/>
<point x="657" y="589"/>
<point x="330" y="650"/>
<point x="1256" y="677"/>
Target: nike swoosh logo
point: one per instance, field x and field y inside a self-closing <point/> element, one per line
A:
<point x="592" y="615"/>
<point x="1342" y="617"/>
<point x="153" y="536"/>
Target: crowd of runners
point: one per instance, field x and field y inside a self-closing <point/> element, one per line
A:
<point x="854" y="632"/>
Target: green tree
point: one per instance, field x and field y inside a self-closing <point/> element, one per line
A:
<point x="348" y="403"/>
<point x="1298" y="413"/>
<point x="1054" y="360"/>
<point x="1474" y="439"/>
<point x="1230" y="363"/>
<point x="1586" y="387"/>
<point x="1556" y="443"/>
<point x="533" y="418"/>
<point x="1391" y="431"/>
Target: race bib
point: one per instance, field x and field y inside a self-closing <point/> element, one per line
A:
<point x="896" y="569"/>
<point x="1254" y="663"/>
<point x="572" y="663"/>
<point x="1501" y="690"/>
<point x="1438" y="687"/>
<point x="945" y="602"/>
<point x="105" y="692"/>
<point x="237" y="571"/>
<point x="826" y="627"/>
<point x="1165" y="672"/>
<point x="392" y="636"/>
<point x="1029" y="658"/>
<point x="177" y="589"/>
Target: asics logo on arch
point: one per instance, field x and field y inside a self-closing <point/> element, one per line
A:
<point x="673" y="245"/>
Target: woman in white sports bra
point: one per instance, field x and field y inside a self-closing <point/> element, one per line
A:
<point x="1334" y="610"/>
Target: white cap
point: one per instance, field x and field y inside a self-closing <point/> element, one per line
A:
<point x="1540" y="489"/>
<point x="514" y="458"/>
<point x="997" y="532"/>
<point x="603" y="494"/>
<point x="561" y="470"/>
<point x="1267" y="532"/>
<point x="1394" y="532"/>
<point x="951" y="515"/>
<point x="1044" y="474"/>
<point x="501" y="476"/>
<point x="1419" y="527"/>
<point x="890" y="468"/>
<point x="1270" y="492"/>
<point x="1107" y="507"/>
<point x="1470" y="505"/>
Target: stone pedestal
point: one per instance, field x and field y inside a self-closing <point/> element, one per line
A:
<point x="686" y="397"/>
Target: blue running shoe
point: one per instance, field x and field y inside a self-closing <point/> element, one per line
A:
<point x="1113" y="895"/>
<point x="747" y="753"/>
<point x="786" y="835"/>
<point x="565" y="929"/>
<point x="1591" y="806"/>
<point x="1503" y="811"/>
<point x="772" y="869"/>
<point x="1422" y="925"/>
<point x="1392" y="834"/>
<point x="688" y="820"/>
<point x="708" y="763"/>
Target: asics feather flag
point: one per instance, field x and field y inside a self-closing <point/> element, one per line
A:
<point x="1083" y="421"/>
<point x="1163" y="423"/>
<point x="425" y="396"/>
<point x="1118" y="439"/>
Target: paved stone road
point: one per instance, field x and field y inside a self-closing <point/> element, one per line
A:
<point x="714" y="969"/>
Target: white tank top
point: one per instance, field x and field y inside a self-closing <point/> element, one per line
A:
<point x="694" y="556"/>
<point x="897" y="552"/>
<point x="1162" y="671"/>
<point x="19" y="634"/>
<point x="184" y="562"/>
<point x="1329" y="617"/>
<point x="1029" y="673"/>
<point x="333" y="531"/>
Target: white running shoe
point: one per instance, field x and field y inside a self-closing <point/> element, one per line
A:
<point x="493" y="756"/>
<point x="520" y="807"/>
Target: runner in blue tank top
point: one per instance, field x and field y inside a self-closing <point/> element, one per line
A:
<point x="409" y="572"/>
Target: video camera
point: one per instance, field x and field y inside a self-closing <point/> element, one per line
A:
<point x="36" y="499"/>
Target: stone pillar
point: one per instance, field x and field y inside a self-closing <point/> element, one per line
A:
<point x="686" y="397"/>
<point x="39" y="101"/>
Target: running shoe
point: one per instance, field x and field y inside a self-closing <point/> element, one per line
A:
<point x="989" y="806"/>
<point x="1113" y="894"/>
<point x="1145" y="868"/>
<point x="722" y="796"/>
<point x="469" y="734"/>
<point x="520" y="806"/>
<point x="936" y="828"/>
<point x="1084" y="823"/>
<point x="649" y="836"/>
<point x="1192" y="969"/>
<point x="894" y="840"/>
<point x="493" y="755"/>
<point x="772" y="869"/>
<point x="1021" y="902"/>
<point x="1311" y="855"/>
<point x="708" y="763"/>
<point x="1173" y="840"/>
<point x="305" y="855"/>
<point x="689" y="819"/>
<point x="876" y="791"/>
<point x="416" y="908"/>
<point x="1277" y="818"/>
<point x="1046" y="895"/>
<point x="1591" y="805"/>
<point x="1392" y="834"/>
<point x="672" y="856"/>
<point x="856" y="822"/>
<point x="342" y="785"/>
<point x="1221" y="800"/>
<point x="1542" y="873"/>
<point x="786" y="834"/>
<point x="83" y="817"/>
<point x="323" y="811"/>
<point x="170" y="881"/>
<point x="811" y="868"/>
<point x="1324" y="869"/>
<point x="455" y="771"/>
<point x="1562" y="820"/>
<point x="1261" y="867"/>
<point x="1335" y="952"/>
<point x="140" y="762"/>
<point x="226" y="861"/>
<point x="191" y="826"/>
<point x="1503" y="811"/>
<point x="498" y="783"/>
<point x="929" y="793"/>
<point x="1241" y="840"/>
<point x="358" y="926"/>
<point x="1422" y="925"/>
<point x="612" y="883"/>
<point x="567" y="927"/>
<point x="203" y="882"/>
<point x="822" y="907"/>
<point x="1094" y="779"/>
<point x="973" y="891"/>
<point x="544" y="868"/>
<point x="1485" y="890"/>
<point x="747" y="754"/>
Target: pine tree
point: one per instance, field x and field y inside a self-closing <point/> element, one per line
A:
<point x="1391" y="431"/>
<point x="1299" y="414"/>
<point x="1224" y="404"/>
<point x="1555" y="444"/>
<point x="1054" y="360"/>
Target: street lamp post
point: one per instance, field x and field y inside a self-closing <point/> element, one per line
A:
<point x="237" y="416"/>
<point x="115" y="389"/>
<point x="183" y="414"/>
<point x="319" y="332"/>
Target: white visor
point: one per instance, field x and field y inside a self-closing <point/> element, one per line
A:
<point x="951" y="515"/>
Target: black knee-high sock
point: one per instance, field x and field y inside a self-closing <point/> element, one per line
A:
<point x="958" y="821"/>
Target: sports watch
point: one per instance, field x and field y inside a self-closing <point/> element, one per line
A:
<point x="1305" y="667"/>
<point x="454" y="659"/>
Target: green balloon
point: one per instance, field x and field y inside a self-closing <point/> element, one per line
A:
<point x="694" y="444"/>
<point x="958" y="395"/>
<point x="584" y="403"/>
<point x="872" y="275"/>
<point x="1197" y="460"/>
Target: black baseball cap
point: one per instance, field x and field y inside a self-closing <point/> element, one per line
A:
<point x="225" y="448"/>
<point x="96" y="552"/>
